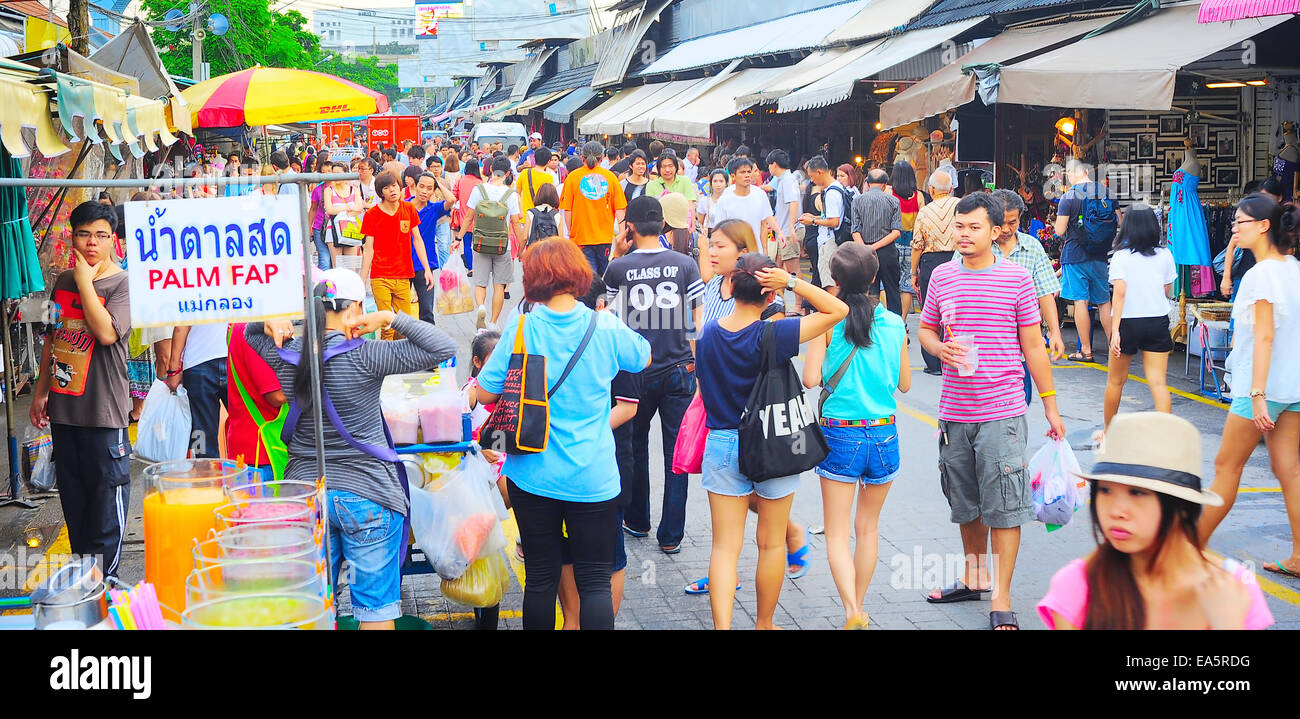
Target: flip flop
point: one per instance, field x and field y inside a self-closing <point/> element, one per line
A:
<point x="1277" y="568"/>
<point x="1079" y="357"/>
<point x="799" y="558"/>
<point x="1003" y="619"/>
<point x="957" y="592"/>
<point x="702" y="586"/>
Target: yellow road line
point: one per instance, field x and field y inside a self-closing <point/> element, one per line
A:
<point x="58" y="548"/>
<point x="1254" y="490"/>
<point x="1172" y="390"/>
<point x="511" y="528"/>
<point x="918" y="415"/>
<point x="459" y="616"/>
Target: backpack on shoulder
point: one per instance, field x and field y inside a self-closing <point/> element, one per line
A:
<point x="491" y="223"/>
<point x="844" y="231"/>
<point x="543" y="225"/>
<point x="1098" y="220"/>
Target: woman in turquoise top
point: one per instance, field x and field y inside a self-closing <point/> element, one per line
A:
<point x="866" y="361"/>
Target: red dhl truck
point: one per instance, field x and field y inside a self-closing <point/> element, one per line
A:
<point x="391" y="130"/>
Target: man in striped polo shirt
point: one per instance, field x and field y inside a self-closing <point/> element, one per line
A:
<point x="989" y="303"/>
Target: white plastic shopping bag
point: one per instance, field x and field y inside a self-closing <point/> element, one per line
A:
<point x="455" y="521"/>
<point x="1053" y="478"/>
<point x="164" y="427"/>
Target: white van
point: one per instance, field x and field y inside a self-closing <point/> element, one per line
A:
<point x="507" y="133"/>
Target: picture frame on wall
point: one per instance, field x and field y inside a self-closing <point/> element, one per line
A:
<point x="1118" y="151"/>
<point x="1199" y="134"/>
<point x="1146" y="146"/>
<point x="1173" y="160"/>
<point x="1225" y="143"/>
<point x="1171" y="124"/>
<point x="1227" y="177"/>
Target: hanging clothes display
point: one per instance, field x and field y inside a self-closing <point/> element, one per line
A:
<point x="1188" y="237"/>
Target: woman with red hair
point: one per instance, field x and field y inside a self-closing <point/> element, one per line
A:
<point x="574" y="484"/>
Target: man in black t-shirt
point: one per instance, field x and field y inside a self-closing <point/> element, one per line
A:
<point x="624" y="164"/>
<point x="658" y="293"/>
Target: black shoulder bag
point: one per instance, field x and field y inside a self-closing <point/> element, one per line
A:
<point x="779" y="435"/>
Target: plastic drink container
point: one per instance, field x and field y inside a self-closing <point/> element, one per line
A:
<point x="971" y="361"/>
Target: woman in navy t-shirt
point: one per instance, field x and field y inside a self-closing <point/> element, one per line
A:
<point x="728" y="360"/>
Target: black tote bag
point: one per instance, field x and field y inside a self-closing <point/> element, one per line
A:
<point x="779" y="435"/>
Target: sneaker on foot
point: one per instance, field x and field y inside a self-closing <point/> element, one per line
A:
<point x="480" y="317"/>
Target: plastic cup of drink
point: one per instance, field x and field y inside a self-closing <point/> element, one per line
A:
<point x="971" y="361"/>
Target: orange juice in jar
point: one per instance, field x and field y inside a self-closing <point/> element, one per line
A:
<point x="178" y="511"/>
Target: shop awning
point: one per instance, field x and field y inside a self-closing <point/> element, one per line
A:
<point x="804" y="73"/>
<point x="691" y="89"/>
<point x="951" y="88"/>
<point x="879" y="18"/>
<point x="878" y="56"/>
<point x="694" y="118"/>
<point x="655" y="99"/>
<point x="523" y="106"/>
<point x="624" y="105"/>
<point x="624" y="40"/>
<point x="528" y="70"/>
<point x="1129" y="68"/>
<point x="562" y="110"/>
<point x="1225" y="10"/>
<point x="786" y="34"/>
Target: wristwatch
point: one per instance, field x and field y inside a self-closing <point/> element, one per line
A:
<point x="790" y="283"/>
<point x="1257" y="393"/>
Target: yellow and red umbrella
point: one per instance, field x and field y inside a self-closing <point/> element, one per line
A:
<point x="272" y="95"/>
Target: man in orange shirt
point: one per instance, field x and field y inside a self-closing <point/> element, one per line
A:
<point x="593" y="204"/>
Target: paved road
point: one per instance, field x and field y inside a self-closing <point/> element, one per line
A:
<point x="916" y="537"/>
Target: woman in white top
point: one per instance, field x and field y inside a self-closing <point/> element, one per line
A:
<point x="717" y="185"/>
<point x="342" y="197"/>
<point x="1143" y="273"/>
<point x="1265" y="374"/>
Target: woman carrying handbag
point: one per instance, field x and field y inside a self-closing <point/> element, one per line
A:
<point x="735" y="356"/>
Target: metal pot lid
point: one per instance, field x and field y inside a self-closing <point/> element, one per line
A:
<point x="70" y="583"/>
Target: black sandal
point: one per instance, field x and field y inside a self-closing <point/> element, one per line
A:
<point x="957" y="592"/>
<point x="1079" y="357"/>
<point x="1003" y="619"/>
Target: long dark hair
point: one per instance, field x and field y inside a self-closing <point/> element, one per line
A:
<point x="854" y="268"/>
<point x="1141" y="232"/>
<point x="1114" y="600"/>
<point x="472" y="169"/>
<point x="302" y="375"/>
<point x="903" y="178"/>
<point x="1283" y="219"/>
<point x="745" y="287"/>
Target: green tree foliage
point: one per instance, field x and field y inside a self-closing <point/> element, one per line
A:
<point x="258" y="36"/>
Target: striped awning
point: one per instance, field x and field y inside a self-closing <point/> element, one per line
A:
<point x="1225" y="10"/>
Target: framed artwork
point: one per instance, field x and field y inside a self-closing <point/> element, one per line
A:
<point x="1226" y="143"/>
<point x="1118" y="150"/>
<point x="1198" y="133"/>
<point x="1171" y="124"/>
<point x="1146" y="146"/>
<point x="1227" y="176"/>
<point x="1173" y="160"/>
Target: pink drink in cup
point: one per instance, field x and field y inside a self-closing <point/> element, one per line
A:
<point x="971" y="361"/>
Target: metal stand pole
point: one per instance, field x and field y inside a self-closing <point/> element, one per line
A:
<point x="311" y="354"/>
<point x="14" y="474"/>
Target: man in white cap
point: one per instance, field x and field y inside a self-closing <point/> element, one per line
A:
<point x="528" y="156"/>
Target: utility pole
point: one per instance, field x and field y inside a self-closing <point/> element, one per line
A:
<point x="197" y="47"/>
<point x="374" y="41"/>
<point x="78" y="25"/>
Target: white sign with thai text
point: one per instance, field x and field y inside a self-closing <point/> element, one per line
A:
<point x="224" y="259"/>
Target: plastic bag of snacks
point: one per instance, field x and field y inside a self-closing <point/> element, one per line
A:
<point x="457" y="296"/>
<point x="482" y="585"/>
<point x="453" y="519"/>
<point x="38" y="460"/>
<point x="1055" y="485"/>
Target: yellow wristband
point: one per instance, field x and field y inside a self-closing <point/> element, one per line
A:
<point x="1045" y="395"/>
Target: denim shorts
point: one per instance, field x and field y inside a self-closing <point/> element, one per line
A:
<point x="721" y="470"/>
<point x="861" y="454"/>
<point x="1086" y="281"/>
<point x="369" y="536"/>
<point x="1243" y="407"/>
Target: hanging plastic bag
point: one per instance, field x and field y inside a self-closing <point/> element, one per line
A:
<point x="1053" y="476"/>
<point x="38" y="460"/>
<point x="457" y="296"/>
<point x="164" y="427"/>
<point x="688" y="453"/>
<point x="453" y="519"/>
<point x="482" y="585"/>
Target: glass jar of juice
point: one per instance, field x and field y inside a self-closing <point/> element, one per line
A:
<point x="179" y="501"/>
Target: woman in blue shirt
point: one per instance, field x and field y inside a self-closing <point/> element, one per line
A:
<point x="728" y="360"/>
<point x="857" y="419"/>
<point x="574" y="484"/>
